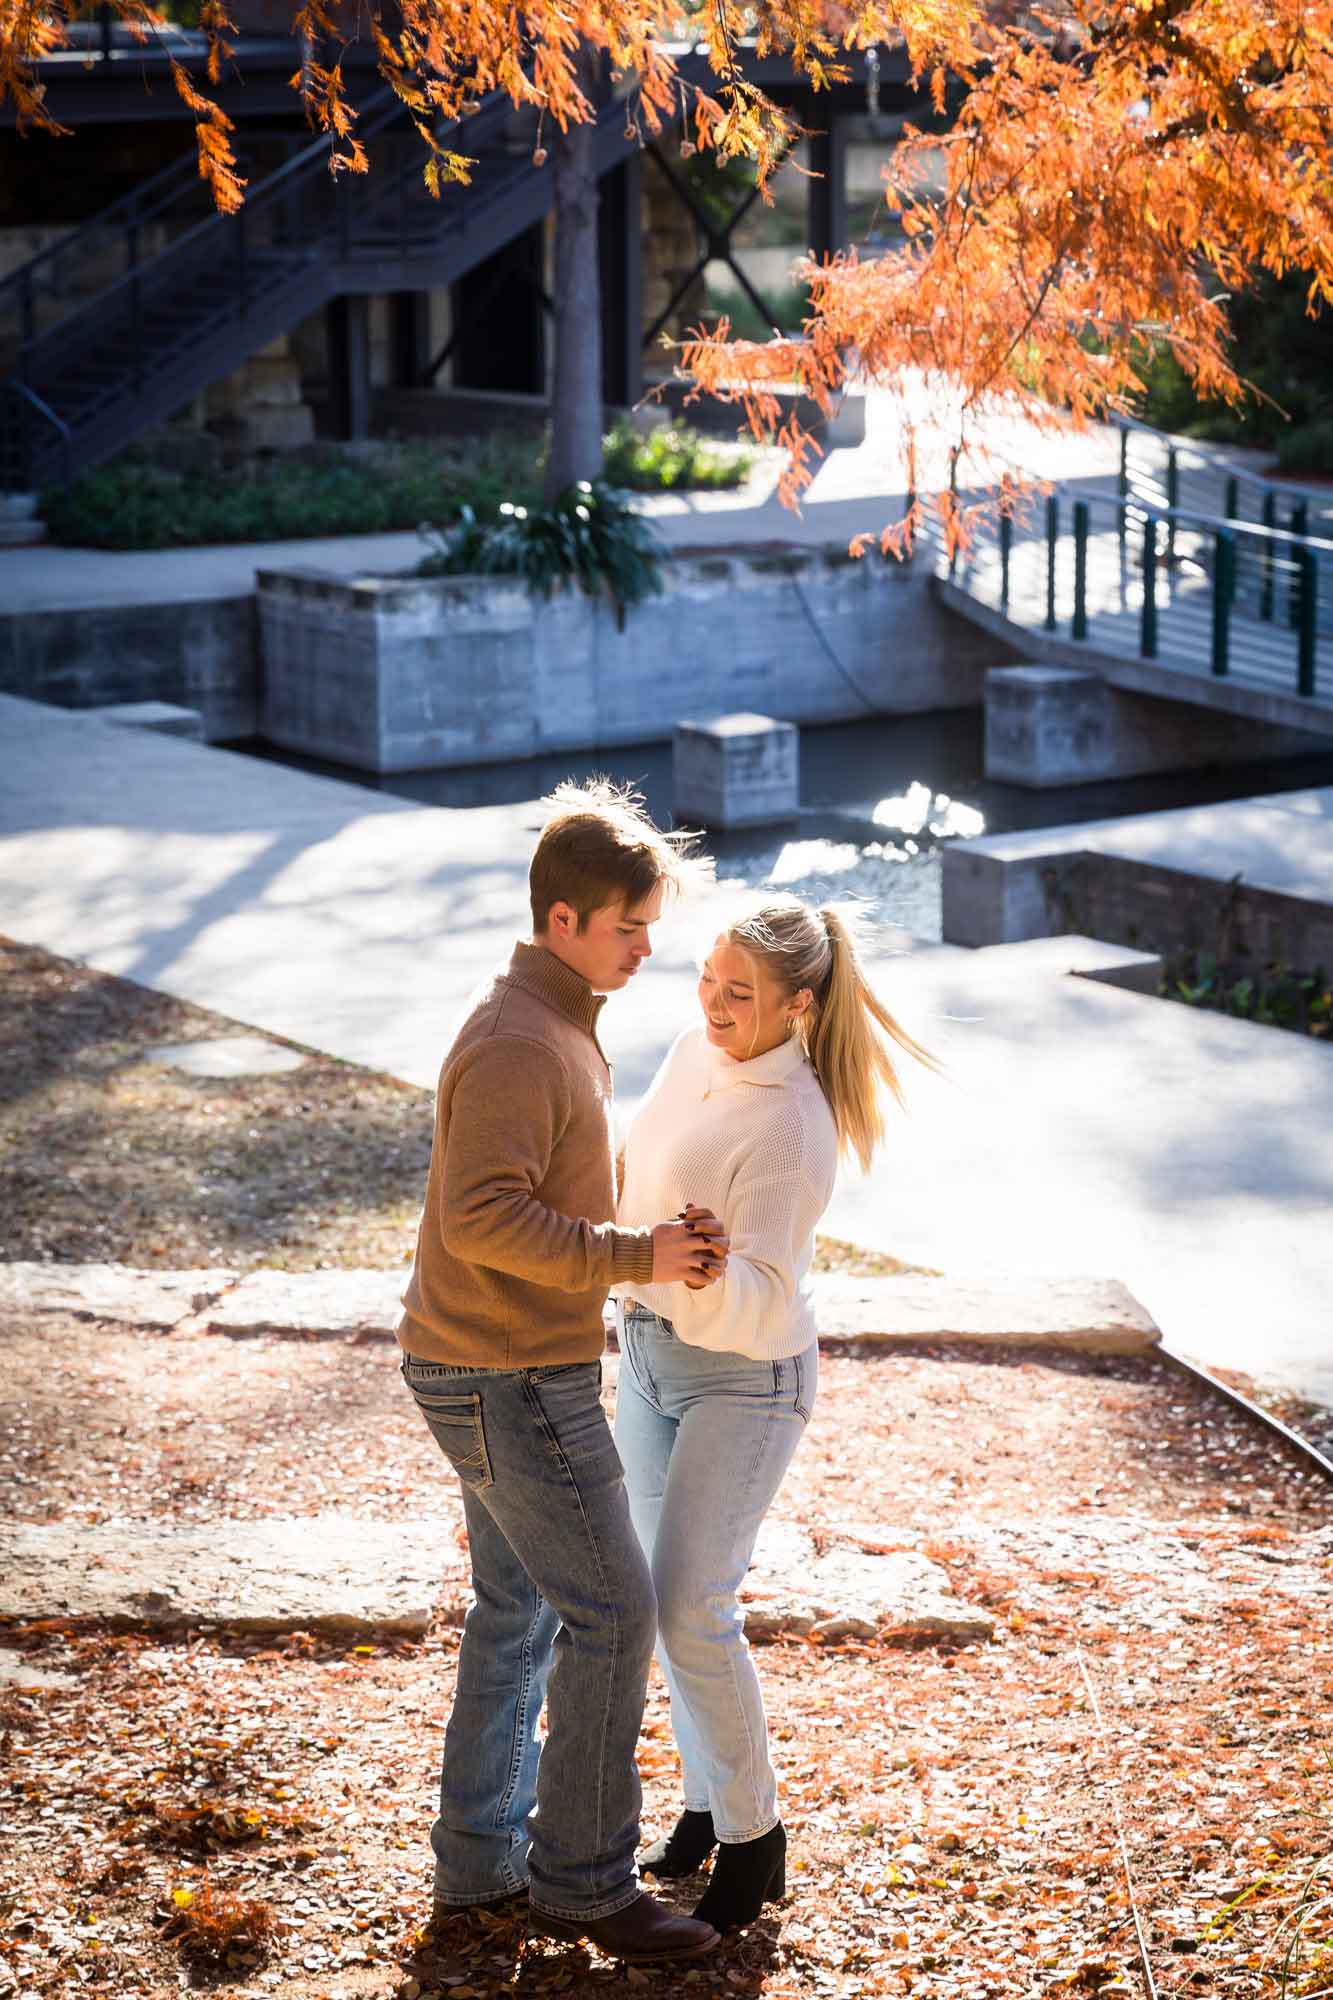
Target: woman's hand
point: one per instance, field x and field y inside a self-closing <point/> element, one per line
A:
<point x="691" y="1251"/>
<point x="705" y="1224"/>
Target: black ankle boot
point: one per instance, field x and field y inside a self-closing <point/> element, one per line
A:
<point x="686" y="1848"/>
<point x="746" y="1875"/>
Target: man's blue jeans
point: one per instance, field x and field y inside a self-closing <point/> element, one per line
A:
<point x="706" y="1439"/>
<point x="563" y="1609"/>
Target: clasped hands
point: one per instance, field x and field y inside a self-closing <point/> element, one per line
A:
<point x="692" y="1250"/>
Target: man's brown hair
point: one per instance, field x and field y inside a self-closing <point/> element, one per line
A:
<point x="599" y="847"/>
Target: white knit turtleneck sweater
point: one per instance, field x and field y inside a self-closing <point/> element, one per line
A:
<point x="755" y="1142"/>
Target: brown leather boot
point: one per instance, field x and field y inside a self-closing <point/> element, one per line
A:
<point x="640" y="1934"/>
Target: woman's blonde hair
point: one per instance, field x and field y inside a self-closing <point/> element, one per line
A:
<point x="845" y="1024"/>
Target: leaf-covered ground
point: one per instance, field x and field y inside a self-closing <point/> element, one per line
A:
<point x="953" y="1814"/>
<point x="250" y="1817"/>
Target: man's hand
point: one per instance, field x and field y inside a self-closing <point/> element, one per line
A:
<point x="691" y="1250"/>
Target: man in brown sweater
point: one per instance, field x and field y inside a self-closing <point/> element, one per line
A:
<point x="502" y="1338"/>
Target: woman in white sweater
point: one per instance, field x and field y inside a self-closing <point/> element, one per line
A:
<point x="747" y="1117"/>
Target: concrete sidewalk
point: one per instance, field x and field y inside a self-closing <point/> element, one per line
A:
<point x="1080" y="1129"/>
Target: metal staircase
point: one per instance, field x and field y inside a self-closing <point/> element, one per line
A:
<point x="190" y="294"/>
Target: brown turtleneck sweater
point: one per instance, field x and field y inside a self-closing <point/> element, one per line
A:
<point x="517" y="1250"/>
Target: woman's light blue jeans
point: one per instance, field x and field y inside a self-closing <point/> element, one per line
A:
<point x="705" y="1439"/>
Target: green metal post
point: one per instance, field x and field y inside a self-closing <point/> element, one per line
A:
<point x="1122" y="480"/>
<point x="1266" y="559"/>
<point x="1052" y="539"/>
<point x="1308" y="571"/>
<point x="953" y="510"/>
<point x="1172" y="501"/>
<point x="1299" y="524"/>
<point x="1148" y="617"/>
<point x="1080" y="626"/>
<point x="1224" y="583"/>
<point x="1231" y="503"/>
<point x="1006" y="550"/>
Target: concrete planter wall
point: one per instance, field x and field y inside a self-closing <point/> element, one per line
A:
<point x="397" y="673"/>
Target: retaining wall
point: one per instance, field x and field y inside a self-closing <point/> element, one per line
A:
<point x="202" y="654"/>
<point x="398" y="673"/>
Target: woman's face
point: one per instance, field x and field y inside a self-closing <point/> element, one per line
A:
<point x="745" y="1010"/>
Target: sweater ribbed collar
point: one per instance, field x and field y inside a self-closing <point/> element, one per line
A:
<point x="539" y="971"/>
<point x="776" y="1067"/>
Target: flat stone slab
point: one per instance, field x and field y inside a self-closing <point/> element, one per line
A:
<point x="1090" y="1315"/>
<point x="365" y="1303"/>
<point x="337" y="1574"/>
<point x="20" y="1674"/>
<point x="321" y="1573"/>
<point x="858" y="1589"/>
<point x="228" y="1055"/>
<point x="154" y="1299"/>
<point x="1084" y="957"/>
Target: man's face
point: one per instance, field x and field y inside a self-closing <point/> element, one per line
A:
<point x="613" y="943"/>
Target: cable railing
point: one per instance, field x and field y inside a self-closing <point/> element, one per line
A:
<point x="1222" y="596"/>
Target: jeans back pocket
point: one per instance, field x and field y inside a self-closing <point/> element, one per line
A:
<point x="456" y="1425"/>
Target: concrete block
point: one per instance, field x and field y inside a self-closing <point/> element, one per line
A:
<point x="1047" y="726"/>
<point x="736" y="770"/>
<point x="1051" y="725"/>
<point x="163" y="716"/>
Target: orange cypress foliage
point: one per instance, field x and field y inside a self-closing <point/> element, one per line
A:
<point x="1117" y="166"/>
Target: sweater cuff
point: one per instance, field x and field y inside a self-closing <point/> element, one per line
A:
<point x="632" y="1257"/>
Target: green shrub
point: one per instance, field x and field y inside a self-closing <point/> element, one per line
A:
<point x="136" y="503"/>
<point x="590" y="536"/>
<point x="1277" y="997"/>
<point x="1278" y="345"/>
<point x="674" y="457"/>
<point x="1307" y="449"/>
<point x="129" y="505"/>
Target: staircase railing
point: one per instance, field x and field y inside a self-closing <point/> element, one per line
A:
<point x="164" y="312"/>
<point x="39" y="292"/>
<point x="23" y="414"/>
<point x="295" y="203"/>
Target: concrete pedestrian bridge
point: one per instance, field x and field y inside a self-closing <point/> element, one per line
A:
<point x="1184" y="578"/>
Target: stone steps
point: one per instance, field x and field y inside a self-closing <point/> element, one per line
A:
<point x="344" y="1576"/>
<point x="1086" y="1314"/>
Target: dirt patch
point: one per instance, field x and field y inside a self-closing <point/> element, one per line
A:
<point x="108" y="1157"/>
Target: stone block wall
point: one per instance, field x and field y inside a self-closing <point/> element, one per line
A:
<point x="395" y="674"/>
<point x="202" y="655"/>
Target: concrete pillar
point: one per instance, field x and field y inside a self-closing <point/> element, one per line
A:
<point x="349" y="364"/>
<point x="1046" y="726"/>
<point x="735" y="770"/>
<point x="1052" y="726"/>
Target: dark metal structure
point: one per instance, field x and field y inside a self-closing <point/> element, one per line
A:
<point x="125" y="320"/>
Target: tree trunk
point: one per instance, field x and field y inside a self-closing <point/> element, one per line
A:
<point x="576" y="391"/>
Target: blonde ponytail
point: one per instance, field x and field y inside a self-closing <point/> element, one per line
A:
<point x="850" y="1058"/>
<point x="845" y="1023"/>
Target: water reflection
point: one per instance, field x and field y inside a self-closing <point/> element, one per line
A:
<point x="918" y="807"/>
